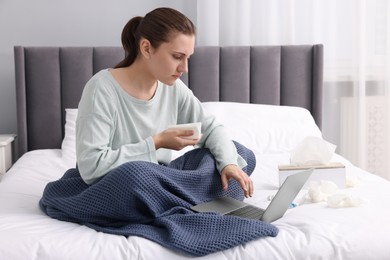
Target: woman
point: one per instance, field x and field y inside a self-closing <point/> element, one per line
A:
<point x="124" y="112"/>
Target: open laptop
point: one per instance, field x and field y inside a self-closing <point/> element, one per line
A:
<point x="275" y="210"/>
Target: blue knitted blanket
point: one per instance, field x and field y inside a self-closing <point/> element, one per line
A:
<point x="153" y="201"/>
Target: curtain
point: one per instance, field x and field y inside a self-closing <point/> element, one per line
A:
<point x="355" y="35"/>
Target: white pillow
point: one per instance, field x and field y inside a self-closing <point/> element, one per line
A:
<point x="68" y="145"/>
<point x="264" y="128"/>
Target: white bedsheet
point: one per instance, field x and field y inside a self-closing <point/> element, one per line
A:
<point x="309" y="231"/>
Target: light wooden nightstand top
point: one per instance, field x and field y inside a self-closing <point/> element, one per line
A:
<point x="6" y="139"/>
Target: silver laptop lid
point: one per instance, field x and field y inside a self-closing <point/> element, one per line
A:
<point x="286" y="194"/>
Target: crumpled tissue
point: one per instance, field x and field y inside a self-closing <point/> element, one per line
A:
<point x="326" y="191"/>
<point x="312" y="151"/>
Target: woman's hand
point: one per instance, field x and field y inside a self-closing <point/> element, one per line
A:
<point x="232" y="171"/>
<point x="174" y="139"/>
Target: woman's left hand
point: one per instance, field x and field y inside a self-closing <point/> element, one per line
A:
<point x="232" y="171"/>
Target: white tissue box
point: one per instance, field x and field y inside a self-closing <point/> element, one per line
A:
<point x="334" y="172"/>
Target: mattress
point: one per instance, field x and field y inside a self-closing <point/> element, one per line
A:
<point x="307" y="231"/>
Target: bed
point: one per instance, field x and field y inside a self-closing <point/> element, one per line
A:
<point x="268" y="98"/>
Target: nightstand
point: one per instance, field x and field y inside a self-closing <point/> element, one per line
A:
<point x="6" y="152"/>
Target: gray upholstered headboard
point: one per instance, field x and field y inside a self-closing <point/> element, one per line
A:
<point x="50" y="79"/>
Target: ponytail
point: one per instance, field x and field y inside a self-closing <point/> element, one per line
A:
<point x="130" y="40"/>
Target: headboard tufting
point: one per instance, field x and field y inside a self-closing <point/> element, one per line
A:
<point x="50" y="79"/>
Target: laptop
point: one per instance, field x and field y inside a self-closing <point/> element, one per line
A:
<point x="275" y="210"/>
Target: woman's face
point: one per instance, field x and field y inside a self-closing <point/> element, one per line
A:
<point x="170" y="60"/>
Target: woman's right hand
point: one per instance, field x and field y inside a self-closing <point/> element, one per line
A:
<point x="174" y="139"/>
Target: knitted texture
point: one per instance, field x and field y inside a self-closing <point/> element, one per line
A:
<point x="153" y="201"/>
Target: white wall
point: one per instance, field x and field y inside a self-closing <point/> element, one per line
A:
<point x="63" y="23"/>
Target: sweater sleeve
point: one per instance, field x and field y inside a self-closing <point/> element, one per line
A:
<point x="214" y="134"/>
<point x="94" y="132"/>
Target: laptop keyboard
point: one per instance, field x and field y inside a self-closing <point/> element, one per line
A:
<point x="247" y="212"/>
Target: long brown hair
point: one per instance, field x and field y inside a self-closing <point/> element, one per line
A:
<point x="157" y="27"/>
